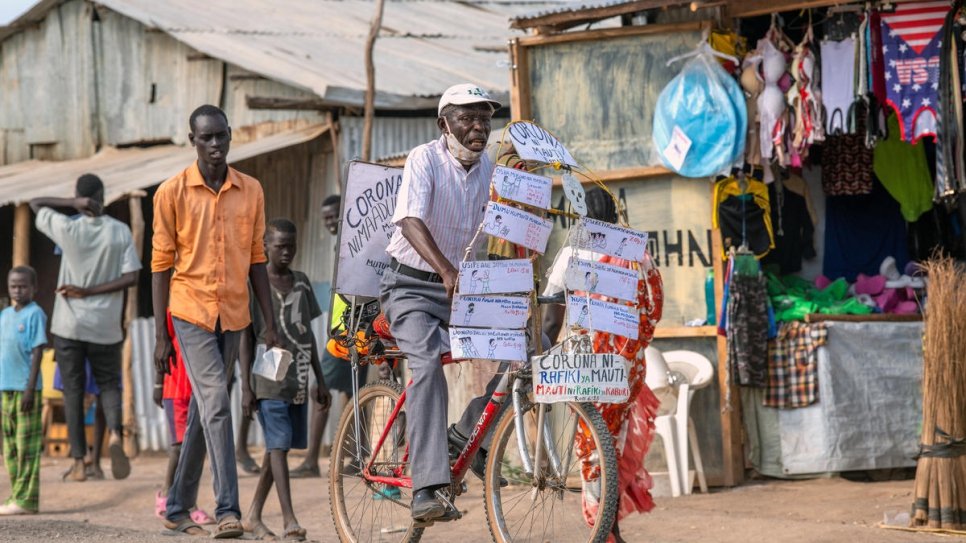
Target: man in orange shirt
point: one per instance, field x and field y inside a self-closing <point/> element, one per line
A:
<point x="209" y="221"/>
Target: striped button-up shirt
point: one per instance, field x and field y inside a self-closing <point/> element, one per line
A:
<point x="437" y="189"/>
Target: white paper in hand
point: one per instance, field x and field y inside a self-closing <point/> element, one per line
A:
<point x="273" y="364"/>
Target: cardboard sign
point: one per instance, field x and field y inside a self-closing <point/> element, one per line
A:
<point x="488" y="344"/>
<point x="496" y="276"/>
<point x="367" y="207"/>
<point x="598" y="278"/>
<point x="534" y="143"/>
<point x="603" y="316"/>
<point x="523" y="187"/>
<point x="517" y="226"/>
<point x="570" y="377"/>
<point x="614" y="240"/>
<point x="490" y="311"/>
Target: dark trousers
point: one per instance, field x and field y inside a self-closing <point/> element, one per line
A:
<point x="105" y="361"/>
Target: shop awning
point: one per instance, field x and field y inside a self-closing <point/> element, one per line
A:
<point x="126" y="170"/>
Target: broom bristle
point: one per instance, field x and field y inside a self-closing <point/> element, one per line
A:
<point x="941" y="481"/>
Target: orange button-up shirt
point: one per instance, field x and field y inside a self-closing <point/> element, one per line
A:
<point x="211" y="240"/>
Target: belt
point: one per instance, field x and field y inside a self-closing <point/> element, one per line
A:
<point x="414" y="273"/>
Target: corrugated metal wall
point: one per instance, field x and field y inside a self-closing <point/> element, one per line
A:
<point x="390" y="135"/>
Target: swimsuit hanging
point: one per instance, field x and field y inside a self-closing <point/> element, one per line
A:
<point x="911" y="43"/>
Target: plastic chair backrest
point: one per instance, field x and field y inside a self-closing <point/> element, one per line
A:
<point x="655" y="369"/>
<point x="695" y="366"/>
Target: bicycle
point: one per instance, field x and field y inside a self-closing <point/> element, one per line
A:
<point x="371" y="490"/>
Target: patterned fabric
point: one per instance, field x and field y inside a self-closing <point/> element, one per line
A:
<point x="846" y="160"/>
<point x="747" y="329"/>
<point x="793" y="365"/>
<point x="631" y="424"/>
<point x="22" y="444"/>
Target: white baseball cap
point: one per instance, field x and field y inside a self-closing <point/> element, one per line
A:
<point x="463" y="94"/>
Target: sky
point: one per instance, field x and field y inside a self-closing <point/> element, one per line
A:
<point x="10" y="9"/>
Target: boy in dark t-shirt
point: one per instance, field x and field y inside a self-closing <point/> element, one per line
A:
<point x="282" y="405"/>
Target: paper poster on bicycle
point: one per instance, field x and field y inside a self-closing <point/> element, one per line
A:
<point x="517" y="226"/>
<point x="490" y="311"/>
<point x="603" y="316"/>
<point x="487" y="344"/>
<point x="367" y="207"/>
<point x="599" y="278"/>
<point x="614" y="240"/>
<point x="534" y="143"/>
<point x="570" y="377"/>
<point x="495" y="276"/>
<point x="520" y="186"/>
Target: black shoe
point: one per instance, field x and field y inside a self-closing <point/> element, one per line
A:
<point x="478" y="465"/>
<point x="426" y="506"/>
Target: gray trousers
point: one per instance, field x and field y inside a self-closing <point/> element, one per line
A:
<point x="209" y="358"/>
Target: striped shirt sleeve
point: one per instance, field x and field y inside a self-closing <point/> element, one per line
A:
<point x="416" y="190"/>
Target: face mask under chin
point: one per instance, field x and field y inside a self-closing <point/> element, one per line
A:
<point x="463" y="155"/>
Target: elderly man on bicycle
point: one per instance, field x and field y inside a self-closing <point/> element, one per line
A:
<point x="441" y="201"/>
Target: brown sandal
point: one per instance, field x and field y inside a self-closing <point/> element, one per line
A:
<point x="229" y="528"/>
<point x="186" y="526"/>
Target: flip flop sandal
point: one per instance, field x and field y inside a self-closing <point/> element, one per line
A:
<point x="294" y="534"/>
<point x="185" y="526"/>
<point x="120" y="464"/>
<point x="74" y="474"/>
<point x="228" y="529"/>
<point x="261" y="533"/>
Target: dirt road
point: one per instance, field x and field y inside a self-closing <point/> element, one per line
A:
<point x="819" y="511"/>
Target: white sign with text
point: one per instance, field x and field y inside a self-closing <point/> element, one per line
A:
<point x="599" y="278"/>
<point x="570" y="377"/>
<point x="496" y="276"/>
<point x="367" y="208"/>
<point x="613" y="240"/>
<point x="488" y="344"/>
<point x="534" y="143"/>
<point x="603" y="316"/>
<point x="520" y="186"/>
<point x="490" y="311"/>
<point x="517" y="226"/>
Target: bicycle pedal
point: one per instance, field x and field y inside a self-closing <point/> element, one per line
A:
<point x="448" y="516"/>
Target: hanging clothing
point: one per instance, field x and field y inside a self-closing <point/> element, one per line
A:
<point x="846" y="158"/>
<point x="911" y="43"/>
<point x="793" y="365"/>
<point x="794" y="222"/>
<point x="743" y="215"/>
<point x="903" y="170"/>
<point x="861" y="231"/>
<point x="747" y="329"/>
<point x="838" y="79"/>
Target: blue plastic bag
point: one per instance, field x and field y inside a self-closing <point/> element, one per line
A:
<point x="700" y="120"/>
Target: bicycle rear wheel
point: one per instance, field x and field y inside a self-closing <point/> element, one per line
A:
<point x="365" y="512"/>
<point x="531" y="510"/>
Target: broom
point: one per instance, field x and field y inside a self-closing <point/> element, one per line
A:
<point x="941" y="470"/>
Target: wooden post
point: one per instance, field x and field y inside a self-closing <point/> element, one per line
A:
<point x="370" y="106"/>
<point x="127" y="356"/>
<point x="731" y="426"/>
<point x="21" y="235"/>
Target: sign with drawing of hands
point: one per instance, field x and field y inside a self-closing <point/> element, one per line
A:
<point x="612" y="239"/>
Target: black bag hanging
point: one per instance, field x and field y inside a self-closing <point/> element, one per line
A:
<point x="846" y="160"/>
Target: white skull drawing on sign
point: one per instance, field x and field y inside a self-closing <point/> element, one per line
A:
<point x="575" y="194"/>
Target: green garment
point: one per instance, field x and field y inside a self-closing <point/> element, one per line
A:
<point x="793" y="298"/>
<point x="903" y="171"/>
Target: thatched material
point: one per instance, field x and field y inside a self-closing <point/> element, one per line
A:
<point x="941" y="472"/>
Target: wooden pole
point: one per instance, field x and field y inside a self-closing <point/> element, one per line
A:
<point x="370" y="106"/>
<point x="127" y="356"/>
<point x="731" y="429"/>
<point x="21" y="235"/>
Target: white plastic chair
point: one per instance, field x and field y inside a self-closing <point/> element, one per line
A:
<point x="656" y="378"/>
<point x="698" y="373"/>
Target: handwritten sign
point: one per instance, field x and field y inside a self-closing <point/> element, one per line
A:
<point x="523" y="187"/>
<point x="496" y="276"/>
<point x="570" y="377"/>
<point x="490" y="311"/>
<point x="599" y="278"/>
<point x="488" y="344"/>
<point x="614" y="240"/>
<point x="367" y="207"/>
<point x="604" y="316"/>
<point x="535" y="143"/>
<point x="517" y="226"/>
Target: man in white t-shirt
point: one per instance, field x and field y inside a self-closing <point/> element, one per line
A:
<point x="99" y="261"/>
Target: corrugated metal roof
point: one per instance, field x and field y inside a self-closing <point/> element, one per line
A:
<point x="318" y="45"/>
<point x="126" y="170"/>
<point x="569" y="7"/>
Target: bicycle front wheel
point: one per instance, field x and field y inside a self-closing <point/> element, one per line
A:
<point x="365" y="512"/>
<point x="545" y="503"/>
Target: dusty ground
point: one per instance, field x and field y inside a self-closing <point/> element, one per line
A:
<point x="827" y="510"/>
